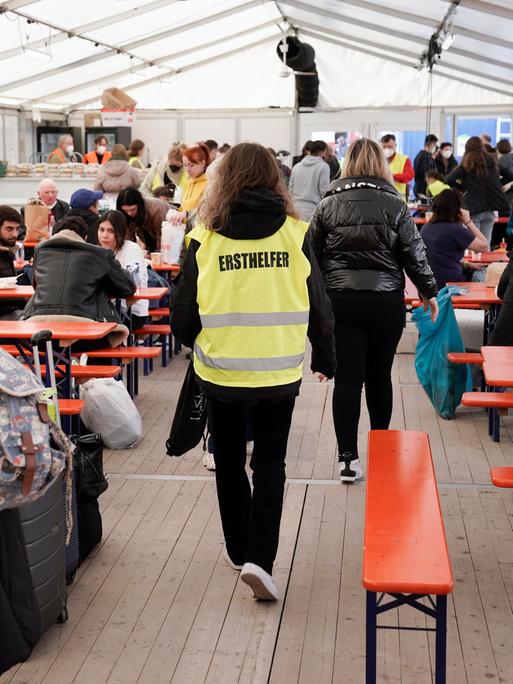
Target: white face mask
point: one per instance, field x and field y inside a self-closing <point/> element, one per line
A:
<point x="447" y="154"/>
<point x="389" y="152"/>
<point x="70" y="149"/>
<point x="101" y="149"/>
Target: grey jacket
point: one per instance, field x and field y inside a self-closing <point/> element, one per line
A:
<point x="116" y="175"/>
<point x="308" y="182"/>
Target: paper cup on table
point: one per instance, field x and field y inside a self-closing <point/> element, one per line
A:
<point x="155" y="258"/>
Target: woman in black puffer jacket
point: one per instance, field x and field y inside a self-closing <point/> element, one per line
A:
<point x="364" y="238"/>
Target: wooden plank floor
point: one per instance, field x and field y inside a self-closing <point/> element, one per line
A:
<point x="156" y="602"/>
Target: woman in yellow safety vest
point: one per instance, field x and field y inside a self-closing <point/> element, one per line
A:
<point x="250" y="293"/>
<point x="167" y="171"/>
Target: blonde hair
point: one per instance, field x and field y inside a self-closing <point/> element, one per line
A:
<point x="366" y="158"/>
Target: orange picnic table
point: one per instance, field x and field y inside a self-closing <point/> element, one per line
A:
<point x="26" y="292"/>
<point x="498" y="366"/>
<point x="488" y="258"/>
<point x="172" y="268"/>
<point x="61" y="330"/>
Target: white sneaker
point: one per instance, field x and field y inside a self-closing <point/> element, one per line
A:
<point x="350" y="470"/>
<point x="208" y="461"/>
<point x="229" y="561"/>
<point x="249" y="448"/>
<point x="260" y="581"/>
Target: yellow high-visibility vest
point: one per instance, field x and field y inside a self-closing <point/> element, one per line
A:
<point x="436" y="188"/>
<point x="254" y="307"/>
<point x="397" y="166"/>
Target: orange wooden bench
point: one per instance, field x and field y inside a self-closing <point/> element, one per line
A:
<point x="474" y="358"/>
<point x="163" y="330"/>
<point x="128" y="356"/>
<point x="162" y="312"/>
<point x="405" y="551"/>
<point x="88" y="372"/>
<point x="497" y="403"/>
<point x="502" y="476"/>
<point x="71" y="407"/>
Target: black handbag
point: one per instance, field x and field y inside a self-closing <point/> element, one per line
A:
<point x="89" y="474"/>
<point x="90" y="483"/>
<point x="190" y="418"/>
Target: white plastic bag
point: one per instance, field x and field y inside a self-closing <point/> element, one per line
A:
<point x="110" y="411"/>
<point x="171" y="242"/>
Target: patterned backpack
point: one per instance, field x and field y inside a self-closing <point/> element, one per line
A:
<point x="33" y="451"/>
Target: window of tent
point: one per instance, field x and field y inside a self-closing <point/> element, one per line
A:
<point x="496" y="126"/>
<point x="339" y="141"/>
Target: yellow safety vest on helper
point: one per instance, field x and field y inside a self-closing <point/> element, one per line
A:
<point x="254" y="307"/>
<point x="397" y="166"/>
<point x="436" y="188"/>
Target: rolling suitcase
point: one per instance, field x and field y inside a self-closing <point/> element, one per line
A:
<point x="71" y="552"/>
<point x="42" y="522"/>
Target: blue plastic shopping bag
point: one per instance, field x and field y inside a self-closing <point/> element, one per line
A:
<point x="443" y="381"/>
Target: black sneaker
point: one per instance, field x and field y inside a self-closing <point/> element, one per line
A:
<point x="350" y="468"/>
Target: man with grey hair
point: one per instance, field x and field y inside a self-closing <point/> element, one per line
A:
<point x="64" y="151"/>
<point x="47" y="192"/>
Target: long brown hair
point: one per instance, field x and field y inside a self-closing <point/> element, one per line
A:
<point x="243" y="167"/>
<point x="475" y="158"/>
<point x="366" y="158"/>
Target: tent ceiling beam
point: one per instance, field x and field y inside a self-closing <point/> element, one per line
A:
<point x="488" y="8"/>
<point x="444" y="64"/>
<point x="449" y="76"/>
<point x="86" y="28"/>
<point x="397" y="14"/>
<point x="156" y="62"/>
<point x="15" y="4"/>
<point x="395" y="50"/>
<point x="189" y="67"/>
<point x="112" y="50"/>
<point x="421" y="40"/>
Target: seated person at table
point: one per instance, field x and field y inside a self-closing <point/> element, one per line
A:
<point x="48" y="193"/>
<point x="75" y="281"/>
<point x="502" y="335"/>
<point x="448" y="234"/>
<point x="435" y="183"/>
<point x="112" y="230"/>
<point x="84" y="203"/>
<point x="144" y="216"/>
<point x="10" y="221"/>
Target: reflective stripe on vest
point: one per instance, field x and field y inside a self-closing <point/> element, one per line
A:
<point x="254" y="307"/>
<point x="254" y="319"/>
<point x="274" y="363"/>
<point x="397" y="166"/>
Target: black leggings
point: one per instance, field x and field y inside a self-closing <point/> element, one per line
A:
<point x="368" y="327"/>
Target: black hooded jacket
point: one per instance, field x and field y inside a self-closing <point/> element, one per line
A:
<point x="364" y="237"/>
<point x="502" y="335"/>
<point x="257" y="214"/>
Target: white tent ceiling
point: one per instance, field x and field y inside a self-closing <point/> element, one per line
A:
<point x="205" y="54"/>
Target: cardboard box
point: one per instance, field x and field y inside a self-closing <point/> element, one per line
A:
<point x="115" y="98"/>
<point x="92" y="119"/>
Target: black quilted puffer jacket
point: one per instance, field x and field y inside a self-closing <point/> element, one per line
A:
<point x="364" y="238"/>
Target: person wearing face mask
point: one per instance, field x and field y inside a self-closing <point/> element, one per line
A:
<point x="100" y="155"/>
<point x="64" y="152"/>
<point x="445" y="160"/>
<point x="168" y="171"/>
<point x="424" y="162"/>
<point x="400" y="165"/>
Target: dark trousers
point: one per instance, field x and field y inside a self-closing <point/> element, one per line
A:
<point x="251" y="520"/>
<point x="368" y="327"/>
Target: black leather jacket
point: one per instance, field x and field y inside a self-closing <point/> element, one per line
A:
<point x="363" y="236"/>
<point x="73" y="278"/>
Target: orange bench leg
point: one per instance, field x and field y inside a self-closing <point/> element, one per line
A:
<point x="437" y="610"/>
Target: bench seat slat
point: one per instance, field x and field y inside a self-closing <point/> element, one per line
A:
<point x="405" y="546"/>
<point x="502" y="476"/>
